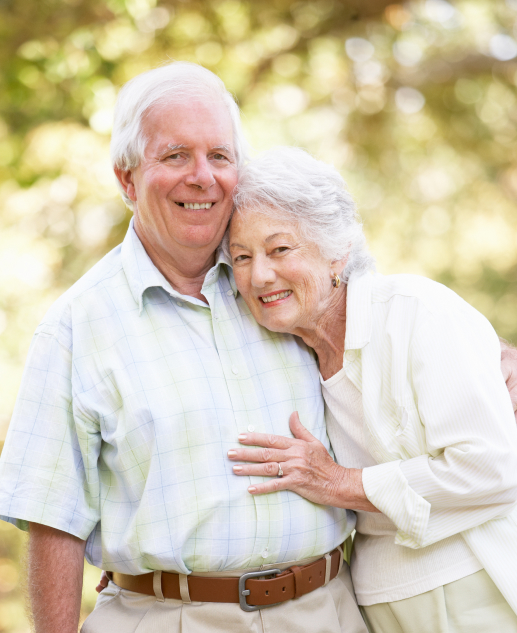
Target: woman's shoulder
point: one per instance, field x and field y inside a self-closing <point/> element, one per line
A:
<point x="417" y="290"/>
<point x="421" y="305"/>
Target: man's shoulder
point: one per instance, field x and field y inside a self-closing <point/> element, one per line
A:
<point x="100" y="281"/>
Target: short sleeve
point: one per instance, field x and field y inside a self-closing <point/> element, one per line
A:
<point x="42" y="473"/>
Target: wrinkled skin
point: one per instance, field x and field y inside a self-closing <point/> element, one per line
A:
<point x="307" y="466"/>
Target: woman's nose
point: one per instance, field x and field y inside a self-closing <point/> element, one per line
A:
<point x="262" y="273"/>
<point x="200" y="175"/>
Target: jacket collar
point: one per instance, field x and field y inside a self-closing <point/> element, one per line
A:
<point x="359" y="310"/>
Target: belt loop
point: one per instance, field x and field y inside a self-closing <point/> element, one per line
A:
<point x="184" y="593"/>
<point x="298" y="589"/>
<point x="157" y="586"/>
<point x="328" y="564"/>
<point x="341" y="558"/>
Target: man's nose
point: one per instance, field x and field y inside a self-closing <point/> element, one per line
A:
<point x="262" y="272"/>
<point x="200" y="174"/>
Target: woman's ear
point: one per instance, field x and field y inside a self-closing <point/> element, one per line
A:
<point x="338" y="265"/>
<point x="125" y="178"/>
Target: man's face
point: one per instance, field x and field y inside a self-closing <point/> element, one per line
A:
<point x="189" y="165"/>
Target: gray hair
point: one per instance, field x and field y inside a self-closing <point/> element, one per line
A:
<point x="172" y="83"/>
<point x="287" y="182"/>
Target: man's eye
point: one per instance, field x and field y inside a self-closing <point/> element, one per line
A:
<point x="176" y="155"/>
<point x="219" y="157"/>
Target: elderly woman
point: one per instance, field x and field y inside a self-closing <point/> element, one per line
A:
<point x="418" y="414"/>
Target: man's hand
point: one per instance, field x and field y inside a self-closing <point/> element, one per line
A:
<point x="509" y="369"/>
<point x="103" y="582"/>
<point x="56" y="563"/>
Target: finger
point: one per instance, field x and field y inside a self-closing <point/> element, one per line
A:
<point x="298" y="430"/>
<point x="271" y="469"/>
<point x="266" y="440"/>
<point x="258" y="455"/>
<point x="103" y="582"/>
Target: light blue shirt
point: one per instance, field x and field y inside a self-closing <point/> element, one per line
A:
<point x="131" y="397"/>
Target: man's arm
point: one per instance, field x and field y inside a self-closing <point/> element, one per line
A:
<point x="509" y="369"/>
<point x="56" y="562"/>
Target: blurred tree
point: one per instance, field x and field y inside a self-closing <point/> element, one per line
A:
<point x="413" y="102"/>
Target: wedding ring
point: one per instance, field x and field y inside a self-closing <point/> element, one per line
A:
<point x="280" y="472"/>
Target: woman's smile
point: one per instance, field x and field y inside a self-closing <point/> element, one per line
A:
<point x="275" y="298"/>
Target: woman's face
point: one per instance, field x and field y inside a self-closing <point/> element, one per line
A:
<point x="283" y="278"/>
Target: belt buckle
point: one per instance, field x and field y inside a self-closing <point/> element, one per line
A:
<point x="243" y="592"/>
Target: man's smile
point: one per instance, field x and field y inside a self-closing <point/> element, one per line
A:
<point x="195" y="205"/>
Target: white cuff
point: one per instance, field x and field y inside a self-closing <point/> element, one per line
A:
<point x="389" y="491"/>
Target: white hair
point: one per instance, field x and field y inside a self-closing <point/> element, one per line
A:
<point x="173" y="83"/>
<point x="287" y="182"/>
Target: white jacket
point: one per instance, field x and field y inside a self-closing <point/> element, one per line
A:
<point x="438" y="418"/>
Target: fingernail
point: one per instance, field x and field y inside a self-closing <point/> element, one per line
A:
<point x="241" y="438"/>
<point x="237" y="469"/>
<point x="252" y="489"/>
<point x="232" y="453"/>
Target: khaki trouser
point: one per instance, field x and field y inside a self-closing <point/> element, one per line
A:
<point x="470" y="605"/>
<point x="330" y="609"/>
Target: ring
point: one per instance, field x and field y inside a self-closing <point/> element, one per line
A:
<point x="280" y="472"/>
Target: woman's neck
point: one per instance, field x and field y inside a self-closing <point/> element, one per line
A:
<point x="326" y="334"/>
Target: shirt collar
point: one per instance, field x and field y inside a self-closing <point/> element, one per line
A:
<point x="359" y="310"/>
<point x="142" y="274"/>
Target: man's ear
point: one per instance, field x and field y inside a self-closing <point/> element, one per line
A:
<point x="125" y="178"/>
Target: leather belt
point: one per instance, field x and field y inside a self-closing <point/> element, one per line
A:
<point x="249" y="590"/>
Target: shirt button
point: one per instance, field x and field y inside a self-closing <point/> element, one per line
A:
<point x="216" y="316"/>
<point x="235" y="370"/>
<point x="229" y="293"/>
<point x="376" y="454"/>
<point x="350" y="354"/>
<point x="265" y="553"/>
<point x="251" y="428"/>
<point x="180" y="303"/>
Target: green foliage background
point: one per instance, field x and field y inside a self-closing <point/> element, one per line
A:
<point x="414" y="103"/>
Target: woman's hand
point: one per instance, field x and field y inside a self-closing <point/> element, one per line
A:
<point x="307" y="467"/>
<point x="509" y="369"/>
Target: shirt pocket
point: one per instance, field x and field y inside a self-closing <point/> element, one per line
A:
<point x="411" y="432"/>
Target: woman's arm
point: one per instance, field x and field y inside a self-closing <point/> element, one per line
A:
<point x="464" y="414"/>
<point x="308" y="469"/>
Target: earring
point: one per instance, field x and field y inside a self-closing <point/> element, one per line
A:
<point x="336" y="281"/>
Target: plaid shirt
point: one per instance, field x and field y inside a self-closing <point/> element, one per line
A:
<point x="132" y="396"/>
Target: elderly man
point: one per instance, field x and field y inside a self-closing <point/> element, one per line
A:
<point x="139" y="380"/>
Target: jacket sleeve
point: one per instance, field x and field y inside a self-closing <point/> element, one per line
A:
<point x="469" y="474"/>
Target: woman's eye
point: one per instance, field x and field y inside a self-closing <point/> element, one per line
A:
<point x="280" y="249"/>
<point x="240" y="258"/>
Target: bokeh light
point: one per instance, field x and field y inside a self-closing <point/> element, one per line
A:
<point x="414" y="102"/>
